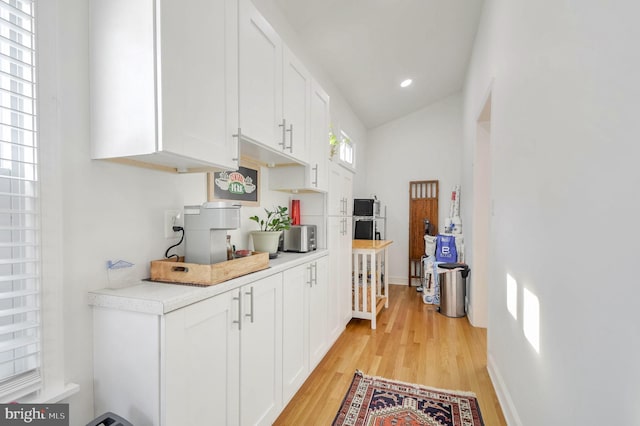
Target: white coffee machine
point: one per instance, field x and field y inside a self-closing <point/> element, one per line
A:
<point x="205" y="231"/>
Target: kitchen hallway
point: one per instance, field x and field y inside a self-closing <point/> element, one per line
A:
<point x="412" y="343"/>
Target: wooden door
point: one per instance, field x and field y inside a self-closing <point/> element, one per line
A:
<point x="423" y="204"/>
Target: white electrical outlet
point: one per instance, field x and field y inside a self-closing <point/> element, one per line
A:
<point x="172" y="218"/>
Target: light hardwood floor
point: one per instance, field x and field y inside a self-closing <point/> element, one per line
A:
<point x="413" y="343"/>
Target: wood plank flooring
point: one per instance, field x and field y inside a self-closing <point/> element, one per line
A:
<point x="413" y="343"/>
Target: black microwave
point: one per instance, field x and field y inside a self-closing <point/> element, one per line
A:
<point x="366" y="207"/>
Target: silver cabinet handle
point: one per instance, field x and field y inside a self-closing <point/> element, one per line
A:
<point x="284" y="133"/>
<point x="315" y="172"/>
<point x="250" y="314"/>
<point x="310" y="282"/>
<point x="315" y="272"/>
<point x="290" y="130"/>
<point x="239" y="321"/>
<point x="238" y="136"/>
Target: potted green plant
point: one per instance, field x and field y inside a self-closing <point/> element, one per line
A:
<point x="333" y="143"/>
<point x="266" y="239"/>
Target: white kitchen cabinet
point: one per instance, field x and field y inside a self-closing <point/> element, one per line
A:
<point x="339" y="292"/>
<point x="314" y="176"/>
<point x="319" y="146"/>
<point x="317" y="302"/>
<point x="229" y="354"/>
<point x="296" y="95"/>
<point x="202" y="363"/>
<point x="340" y="237"/>
<point x="164" y="82"/>
<point x="305" y="331"/>
<point x="260" y="78"/>
<point x="217" y="361"/>
<point x="295" y="352"/>
<point x="340" y="198"/>
<point x="260" y="318"/>
<point x="274" y="90"/>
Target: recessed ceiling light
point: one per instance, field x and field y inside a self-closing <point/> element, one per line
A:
<point x="406" y="83"/>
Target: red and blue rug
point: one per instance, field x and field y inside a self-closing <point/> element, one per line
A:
<point x="376" y="401"/>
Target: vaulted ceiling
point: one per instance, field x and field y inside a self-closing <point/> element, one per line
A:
<point x="369" y="46"/>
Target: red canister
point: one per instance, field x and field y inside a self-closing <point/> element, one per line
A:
<point x="295" y="212"/>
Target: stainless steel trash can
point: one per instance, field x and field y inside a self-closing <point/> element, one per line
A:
<point x="453" y="289"/>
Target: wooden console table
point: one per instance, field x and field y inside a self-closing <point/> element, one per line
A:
<point x="369" y="293"/>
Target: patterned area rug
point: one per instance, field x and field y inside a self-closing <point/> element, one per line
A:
<point x="376" y="401"/>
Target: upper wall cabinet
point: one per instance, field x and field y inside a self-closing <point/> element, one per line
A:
<point x="319" y="146"/>
<point x="164" y="82"/>
<point x="274" y="89"/>
<point x="315" y="176"/>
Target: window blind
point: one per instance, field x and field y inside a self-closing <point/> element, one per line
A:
<point x="20" y="338"/>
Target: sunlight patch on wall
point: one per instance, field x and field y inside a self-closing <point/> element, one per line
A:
<point x="512" y="296"/>
<point x="531" y="313"/>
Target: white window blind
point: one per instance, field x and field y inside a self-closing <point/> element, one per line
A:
<point x="20" y="372"/>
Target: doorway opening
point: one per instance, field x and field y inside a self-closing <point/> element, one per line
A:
<point x="423" y="218"/>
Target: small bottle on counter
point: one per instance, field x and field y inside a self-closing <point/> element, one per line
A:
<point x="229" y="248"/>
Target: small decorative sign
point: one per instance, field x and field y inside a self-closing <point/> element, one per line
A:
<point x="239" y="185"/>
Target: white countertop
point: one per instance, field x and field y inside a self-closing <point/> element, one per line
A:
<point x="160" y="298"/>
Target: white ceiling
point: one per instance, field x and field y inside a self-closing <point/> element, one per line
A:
<point x="369" y="46"/>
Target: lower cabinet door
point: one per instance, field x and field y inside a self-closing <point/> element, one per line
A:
<point x="335" y="238"/>
<point x="345" y="280"/>
<point x="201" y="365"/>
<point x="318" y="311"/>
<point x="261" y="351"/>
<point x="295" y="355"/>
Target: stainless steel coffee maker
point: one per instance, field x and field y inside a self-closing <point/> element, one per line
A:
<point x="205" y="231"/>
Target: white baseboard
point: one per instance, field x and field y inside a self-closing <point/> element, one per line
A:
<point x="398" y="280"/>
<point x="506" y="403"/>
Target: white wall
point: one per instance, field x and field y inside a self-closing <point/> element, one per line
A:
<point x="111" y="211"/>
<point x="564" y="154"/>
<point x="424" y="145"/>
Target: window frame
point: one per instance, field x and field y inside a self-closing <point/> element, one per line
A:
<point x="347" y="148"/>
<point x="55" y="386"/>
